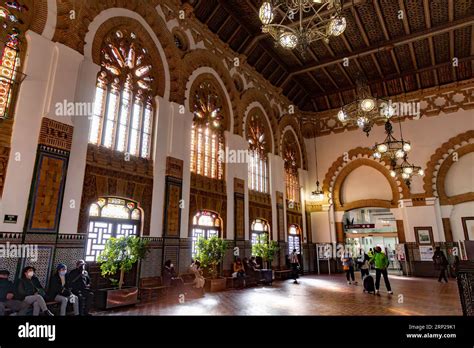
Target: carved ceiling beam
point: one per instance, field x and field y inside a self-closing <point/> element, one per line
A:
<point x="426" y="9"/>
<point x="406" y="73"/>
<point x="389" y="45"/>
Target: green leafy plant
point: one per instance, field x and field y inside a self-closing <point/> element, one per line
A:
<point x="119" y="255"/>
<point x="210" y="252"/>
<point x="265" y="249"/>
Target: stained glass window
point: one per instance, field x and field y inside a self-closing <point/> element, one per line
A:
<point x="9" y="63"/>
<point x="257" y="160"/>
<point x="291" y="169"/>
<point x="206" y="224"/>
<point x="207" y="135"/>
<point x="294" y="241"/>
<point x="122" y="117"/>
<point x="110" y="217"/>
<point x="259" y="227"/>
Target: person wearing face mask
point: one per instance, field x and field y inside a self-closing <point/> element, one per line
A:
<point x="59" y="290"/>
<point x="30" y="290"/>
<point x="7" y="296"/>
<point x="79" y="282"/>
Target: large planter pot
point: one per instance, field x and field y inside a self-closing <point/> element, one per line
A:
<point x="113" y="297"/>
<point x="215" y="285"/>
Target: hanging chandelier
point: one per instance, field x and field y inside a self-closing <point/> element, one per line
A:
<point x="391" y="148"/>
<point x="406" y="171"/>
<point x="318" y="194"/>
<point x="302" y="22"/>
<point x="365" y="110"/>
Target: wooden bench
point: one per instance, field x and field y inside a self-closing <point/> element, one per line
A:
<point x="151" y="286"/>
<point x="283" y="274"/>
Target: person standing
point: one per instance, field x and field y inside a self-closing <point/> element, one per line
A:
<point x="7" y="296"/>
<point x="381" y="263"/>
<point x="441" y="264"/>
<point x="30" y="290"/>
<point x="59" y="290"/>
<point x="295" y="264"/>
<point x="79" y="282"/>
<point x="348" y="266"/>
<point x="363" y="262"/>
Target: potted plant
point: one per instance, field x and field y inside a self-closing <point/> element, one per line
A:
<point x="119" y="256"/>
<point x="266" y="250"/>
<point x="210" y="252"/>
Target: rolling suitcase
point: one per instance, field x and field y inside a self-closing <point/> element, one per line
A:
<point x="369" y="285"/>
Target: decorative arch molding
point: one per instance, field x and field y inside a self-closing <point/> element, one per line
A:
<point x="356" y="158"/>
<point x="254" y="95"/>
<point x="73" y="33"/>
<point x="439" y="165"/>
<point x="201" y="58"/>
<point x="133" y="26"/>
<point x="289" y="121"/>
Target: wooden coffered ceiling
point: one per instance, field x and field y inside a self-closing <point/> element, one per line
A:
<point x="396" y="55"/>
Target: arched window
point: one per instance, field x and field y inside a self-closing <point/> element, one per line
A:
<point x="258" y="159"/>
<point x="292" y="163"/>
<point x="258" y="228"/>
<point x="9" y="63"/>
<point x="111" y="217"/>
<point x="207" y="136"/>
<point x="294" y="240"/>
<point x="122" y="117"/>
<point x="206" y="224"/>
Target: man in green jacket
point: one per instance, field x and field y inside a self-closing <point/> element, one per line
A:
<point x="381" y="263"/>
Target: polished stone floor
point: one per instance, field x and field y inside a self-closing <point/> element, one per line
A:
<point x="315" y="295"/>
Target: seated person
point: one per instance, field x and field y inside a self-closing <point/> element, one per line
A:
<point x="170" y="278"/>
<point x="7" y="296"/>
<point x="79" y="282"/>
<point x="30" y="291"/>
<point x="253" y="263"/>
<point x="239" y="269"/>
<point x="59" y="290"/>
<point x="195" y="269"/>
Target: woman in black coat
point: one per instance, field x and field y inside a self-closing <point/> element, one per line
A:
<point x="59" y="290"/>
<point x="29" y="289"/>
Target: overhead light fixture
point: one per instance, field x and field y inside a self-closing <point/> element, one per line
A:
<point x="318" y="194"/>
<point x="366" y="109"/>
<point x="301" y="22"/>
<point x="391" y="148"/>
<point x="406" y="171"/>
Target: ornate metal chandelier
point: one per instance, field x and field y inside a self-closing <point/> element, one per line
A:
<point x="303" y="22"/>
<point x="365" y="110"/>
<point x="391" y="148"/>
<point x="406" y="170"/>
<point x="318" y="194"/>
<point x="395" y="150"/>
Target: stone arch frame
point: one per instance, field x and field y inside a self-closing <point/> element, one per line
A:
<point x="253" y="95"/>
<point x="144" y="37"/>
<point x="74" y="36"/>
<point x="339" y="171"/>
<point x="194" y="83"/>
<point x="289" y="122"/>
<point x="202" y="58"/>
<point x="440" y="163"/>
<point x="256" y="107"/>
